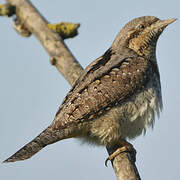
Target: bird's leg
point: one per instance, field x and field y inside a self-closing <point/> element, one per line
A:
<point x="123" y="146"/>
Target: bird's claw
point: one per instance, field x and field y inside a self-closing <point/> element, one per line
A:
<point x="106" y="161"/>
<point x="126" y="148"/>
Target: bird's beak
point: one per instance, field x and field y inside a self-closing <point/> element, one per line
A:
<point x="167" y="21"/>
<point x="161" y="24"/>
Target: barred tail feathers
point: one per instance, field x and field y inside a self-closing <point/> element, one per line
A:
<point x="46" y="137"/>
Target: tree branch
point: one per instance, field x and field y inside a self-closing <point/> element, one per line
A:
<point x="52" y="42"/>
<point x="62" y="58"/>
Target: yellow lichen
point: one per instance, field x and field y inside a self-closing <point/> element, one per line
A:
<point x="65" y="29"/>
<point x="7" y="10"/>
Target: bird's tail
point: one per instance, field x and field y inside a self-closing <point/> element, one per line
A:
<point x="48" y="136"/>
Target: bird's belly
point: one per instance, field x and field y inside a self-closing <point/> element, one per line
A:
<point x="127" y="120"/>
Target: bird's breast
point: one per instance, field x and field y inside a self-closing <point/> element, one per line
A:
<point x="129" y="119"/>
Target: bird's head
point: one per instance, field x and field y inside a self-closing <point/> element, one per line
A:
<point x="141" y="35"/>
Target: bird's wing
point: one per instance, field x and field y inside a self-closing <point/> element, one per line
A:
<point x="106" y="82"/>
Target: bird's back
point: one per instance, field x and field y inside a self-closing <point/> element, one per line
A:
<point x="125" y="89"/>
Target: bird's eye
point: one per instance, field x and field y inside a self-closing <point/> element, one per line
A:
<point x="141" y="26"/>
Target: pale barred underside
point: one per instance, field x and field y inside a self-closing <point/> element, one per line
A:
<point x="128" y="120"/>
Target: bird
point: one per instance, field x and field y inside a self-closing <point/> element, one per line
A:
<point x="116" y="98"/>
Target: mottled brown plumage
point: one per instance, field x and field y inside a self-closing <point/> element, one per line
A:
<point x="117" y="95"/>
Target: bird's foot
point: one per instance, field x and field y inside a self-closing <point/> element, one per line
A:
<point x="124" y="146"/>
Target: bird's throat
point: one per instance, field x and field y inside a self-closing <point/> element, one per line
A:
<point x="144" y="45"/>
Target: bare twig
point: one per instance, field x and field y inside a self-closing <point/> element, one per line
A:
<point x="61" y="57"/>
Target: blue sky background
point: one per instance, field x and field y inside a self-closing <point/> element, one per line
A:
<point x="31" y="91"/>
